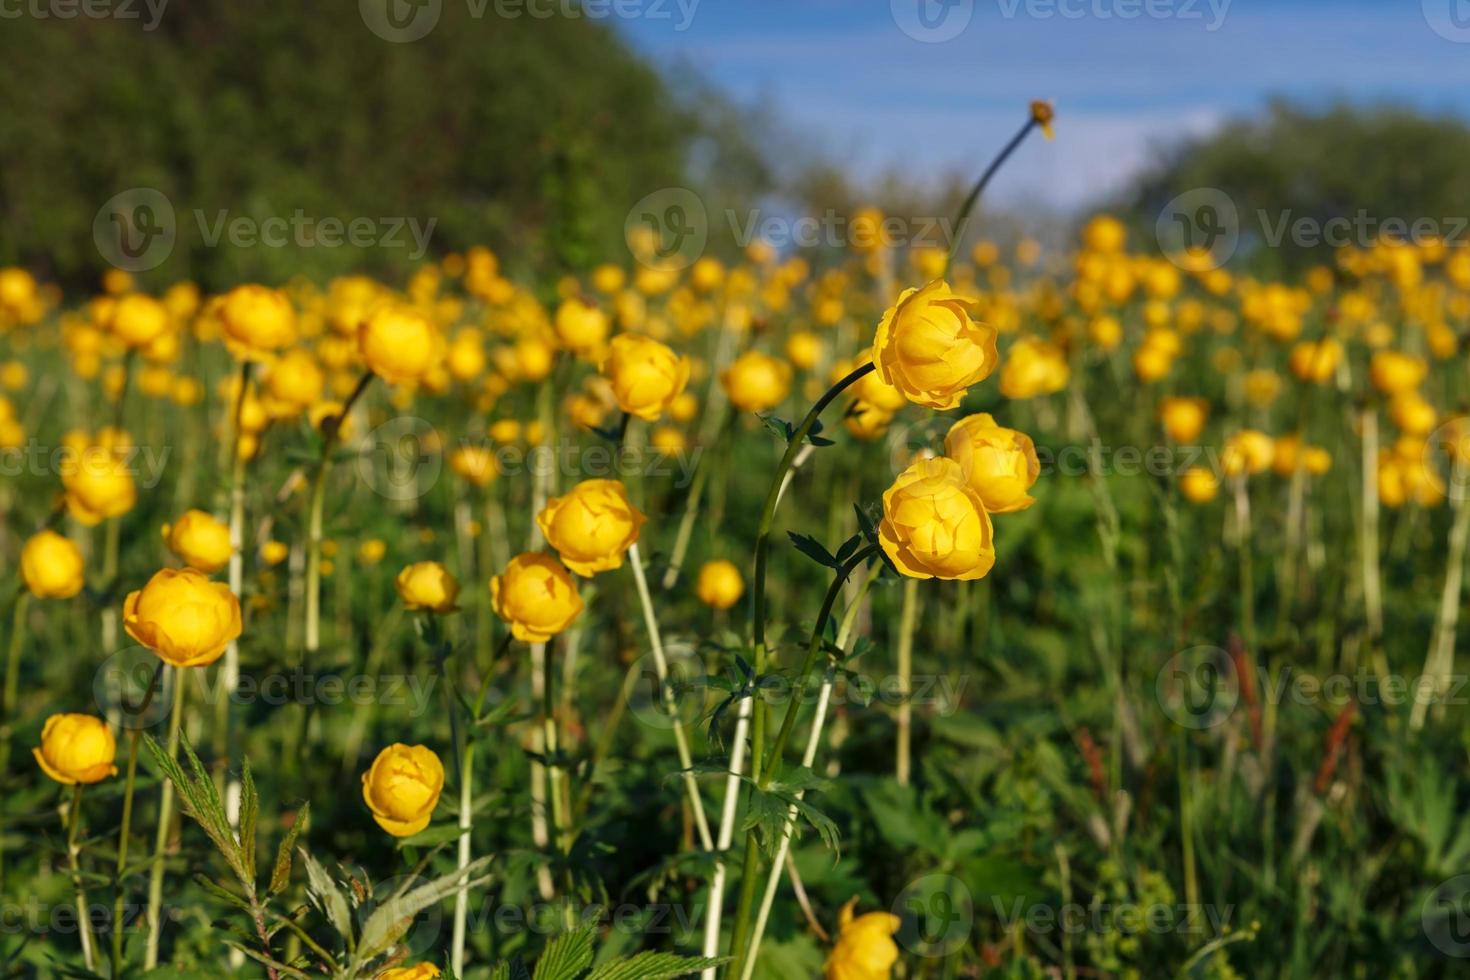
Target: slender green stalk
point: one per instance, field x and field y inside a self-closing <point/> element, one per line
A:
<point x="1439" y="662"/>
<point x="229" y="677"/>
<point x="904" y="738"/>
<point x="165" y="821"/>
<point x="466" y="822"/>
<point x="123" y="834"/>
<point x="74" y="858"/>
<point x="974" y="196"/>
<point x="11" y="700"/>
<point x="661" y="667"/>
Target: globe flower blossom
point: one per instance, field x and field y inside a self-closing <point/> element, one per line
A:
<point x="1392" y="372"/>
<point x="866" y="422"/>
<point x="581" y="326"/>
<point x="76" y="749"/>
<point x="719" y="584"/>
<point x="1316" y="361"/>
<point x="645" y="376"/>
<point x="591" y="526"/>
<point x="756" y="382"/>
<point x="935" y="525"/>
<point x="426" y="586"/>
<point x="295" y="382"/>
<point x="183" y="617"/>
<point x="398" y="344"/>
<point x="98" y="483"/>
<point x="402" y="788"/>
<point x="256" y="321"/>
<point x="1183" y="418"/>
<point x="536" y="596"/>
<point x="51" y="566"/>
<point x="928" y="347"/>
<point x="1033" y="368"/>
<point x="419" y="971"/>
<point x="1198" y="485"/>
<point x="138" y="320"/>
<point x="865" y="949"/>
<point x="474" y="464"/>
<point x="1000" y="464"/>
<point x="1247" y="452"/>
<point x="200" y="540"/>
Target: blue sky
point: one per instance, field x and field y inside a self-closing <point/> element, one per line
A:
<point x="849" y="77"/>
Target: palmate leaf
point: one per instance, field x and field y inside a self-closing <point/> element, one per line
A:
<point x="566" y="956"/>
<point x="813" y="549"/>
<point x="654" y="966"/>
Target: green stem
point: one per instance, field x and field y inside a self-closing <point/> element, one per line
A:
<point x="11" y="700"/>
<point x="74" y="858"/>
<point x="123" y="833"/>
<point x="229" y="677"/>
<point x="974" y="196"/>
<point x="165" y="819"/>
<point x="466" y="822"/>
<point x="903" y="741"/>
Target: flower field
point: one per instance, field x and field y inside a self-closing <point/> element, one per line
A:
<point x="998" y="611"/>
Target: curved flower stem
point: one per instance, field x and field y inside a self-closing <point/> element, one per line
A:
<point x="773" y="880"/>
<point x="332" y="432"/>
<point x="975" y="192"/>
<point x="661" y="666"/>
<point x="74" y="858"/>
<point x="165" y="819"/>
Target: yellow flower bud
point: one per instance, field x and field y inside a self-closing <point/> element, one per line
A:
<point x="581" y="326"/>
<point x="873" y="390"/>
<point x="419" y="971"/>
<point x="935" y="524"/>
<point x="398" y="344"/>
<point x="536" y="596"/>
<point x="402" y="788"/>
<point x="1248" y="452"/>
<point x="756" y="382"/>
<point x="371" y="551"/>
<point x="97" y="482"/>
<point x="474" y="464"/>
<point x="719" y="585"/>
<point x="929" y="348"/>
<point x="1183" y="418"/>
<point x="1198" y="485"/>
<point x="1392" y="372"/>
<point x="645" y="375"/>
<point x="76" y="749"/>
<point x="1316" y="362"/>
<point x="1000" y="464"/>
<point x="296" y="379"/>
<point x="1033" y="368"/>
<point x="866" y="422"/>
<point x="51" y="566"/>
<point x="138" y="320"/>
<point x="274" y="552"/>
<point x="804" y="349"/>
<point x="183" y="617"/>
<point x="200" y="540"/>
<point x="865" y="949"/>
<point x="427" y="586"/>
<point x="256" y="320"/>
<point x="1412" y="413"/>
<point x="592" y="525"/>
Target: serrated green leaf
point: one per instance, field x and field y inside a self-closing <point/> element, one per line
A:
<point x="326" y="896"/>
<point x="566" y="956"/>
<point x="654" y="966"/>
<point x="249" y="814"/>
<point x="281" y="873"/>
<point x="385" y="924"/>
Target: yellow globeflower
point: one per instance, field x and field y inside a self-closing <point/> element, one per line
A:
<point x="865" y="948"/>
<point x="581" y="326"/>
<point x="1183" y="418"/>
<point x="474" y="464"/>
<point x="1033" y="368"/>
<point x="929" y="348"/>
<point x="1412" y="413"/>
<point x="867" y="422"/>
<point x="719" y="584"/>
<point x="183" y="617"/>
<point x="592" y="525"/>
<point x="51" y="566"/>
<point x="1392" y="372"/>
<point x="398" y="344"/>
<point x="256" y="321"/>
<point x="98" y="484"/>
<point x="935" y="524"/>
<point x="274" y="552"/>
<point x="1316" y="361"/>
<point x="402" y="788"/>
<point x="645" y="376"/>
<point x="138" y="320"/>
<point x="1198" y="485"/>
<point x="1248" y="452"/>
<point x="804" y="349"/>
<point x="76" y="749"/>
<point x="419" y="971"/>
<point x="756" y="382"/>
<point x="872" y="390"/>
<point x="1000" y="464"/>
<point x="427" y="586"/>
<point x="200" y="540"/>
<point x="536" y="596"/>
<point x="371" y="551"/>
<point x="296" y="380"/>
